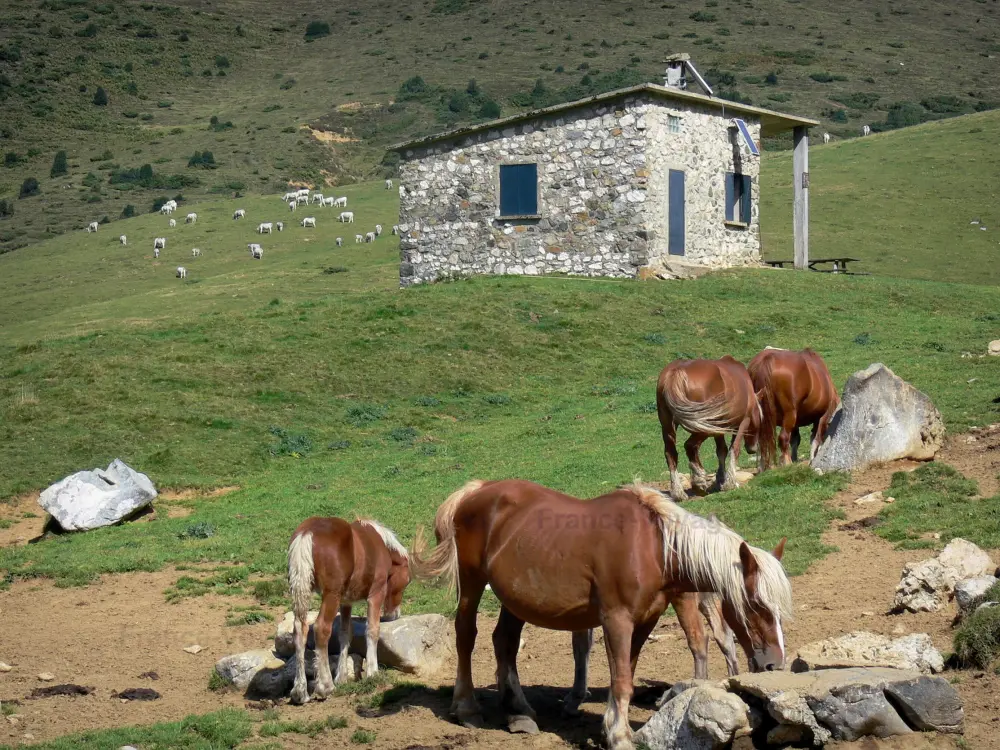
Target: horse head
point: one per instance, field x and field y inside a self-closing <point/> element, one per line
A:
<point x="759" y="632"/>
<point x="398" y="580"/>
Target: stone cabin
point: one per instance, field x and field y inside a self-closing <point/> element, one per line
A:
<point x="649" y="177"/>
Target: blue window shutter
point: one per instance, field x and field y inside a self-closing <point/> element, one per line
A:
<point x="745" y="200"/>
<point x="518" y="189"/>
<point x="730" y="195"/>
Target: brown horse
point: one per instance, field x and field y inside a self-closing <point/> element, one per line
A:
<point x="795" y="390"/>
<point x="563" y="563"/>
<point x="708" y="398"/>
<point x="345" y="563"/>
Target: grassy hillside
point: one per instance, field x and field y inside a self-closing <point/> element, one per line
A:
<point x="323" y="390"/>
<point x="902" y="202"/>
<point x="169" y="67"/>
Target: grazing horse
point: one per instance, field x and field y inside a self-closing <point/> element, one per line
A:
<point x="795" y="390"/>
<point x="344" y="562"/>
<point x="708" y="398"/>
<point x="562" y="563"/>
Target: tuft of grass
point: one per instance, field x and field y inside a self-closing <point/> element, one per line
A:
<point x="295" y="444"/>
<point x="199" y="530"/>
<point x="363" y="737"/>
<point x="615" y="387"/>
<point x="427" y="401"/>
<point x="217" y="683"/>
<point x="977" y="641"/>
<point x="271" y="592"/>
<point x="275" y="728"/>
<point x="498" y="399"/>
<point x="362" y="415"/>
<point x="247" y="616"/>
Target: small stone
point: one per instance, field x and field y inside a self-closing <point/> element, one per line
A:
<point x="871" y="497"/>
<point x="994" y="348"/>
<point x="13" y="720"/>
<point x="867" y="614"/>
<point x="194" y="649"/>
<point x="4" y="667"/>
<point x="28" y="736"/>
<point x="46" y="677"/>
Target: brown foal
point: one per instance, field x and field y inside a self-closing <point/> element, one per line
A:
<point x="346" y="563"/>
<point x="563" y="563"/>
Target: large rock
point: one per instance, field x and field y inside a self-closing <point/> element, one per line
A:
<point x="863" y="649"/>
<point x="416" y="644"/>
<point x="926" y="586"/>
<point x="702" y="718"/>
<point x="852" y="702"/>
<point x="881" y="418"/>
<point x="240" y="669"/>
<point x="970" y="592"/>
<point x="92" y="499"/>
<point x="796" y="722"/>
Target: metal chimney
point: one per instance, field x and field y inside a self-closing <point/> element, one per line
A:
<point x="679" y="67"/>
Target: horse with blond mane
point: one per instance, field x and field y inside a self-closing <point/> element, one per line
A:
<point x="562" y="563"/>
<point x="795" y="390"/>
<point x="708" y="398"/>
<point x="346" y="563"/>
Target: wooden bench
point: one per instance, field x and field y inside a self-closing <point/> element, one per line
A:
<point x="839" y="265"/>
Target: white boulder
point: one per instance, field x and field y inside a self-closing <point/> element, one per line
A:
<point x="102" y="497"/>
<point x="862" y="649"/>
<point x="926" y="586"/>
<point x="702" y="718"/>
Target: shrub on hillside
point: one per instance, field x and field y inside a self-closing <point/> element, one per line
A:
<point x="858" y="100"/>
<point x="203" y="159"/>
<point x="6" y="208"/>
<point x="702" y="17"/>
<point x="317" y="29"/>
<point x="771" y="79"/>
<point x="144" y="177"/>
<point x="101" y="97"/>
<point x="839" y="115"/>
<point x="412" y="87"/>
<point x="28" y="188"/>
<point x="904" y="114"/>
<point x="128" y="212"/>
<point x="58" y="165"/>
<point x="221" y="61"/>
<point x="215" y="124"/>
<point x="977" y="641"/>
<point x="89" y="31"/>
<point x="11" y="159"/>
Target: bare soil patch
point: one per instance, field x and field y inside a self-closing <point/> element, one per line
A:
<point x="114" y="634"/>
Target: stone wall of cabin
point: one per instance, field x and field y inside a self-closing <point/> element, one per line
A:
<point x="703" y="151"/>
<point x="592" y="176"/>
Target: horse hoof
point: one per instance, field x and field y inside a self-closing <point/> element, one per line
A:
<point x="522" y="725"/>
<point x="298" y="699"/>
<point x="471" y="721"/>
<point x="571" y="710"/>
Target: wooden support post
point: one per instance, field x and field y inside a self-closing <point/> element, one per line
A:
<point x="800" y="193"/>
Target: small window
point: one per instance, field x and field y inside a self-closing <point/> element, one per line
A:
<point x="673" y="123"/>
<point x="737" y="198"/>
<point x="519" y="190"/>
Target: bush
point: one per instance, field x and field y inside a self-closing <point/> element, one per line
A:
<point x="215" y="124"/>
<point x="904" y="114"/>
<point x="702" y="17"/>
<point x="771" y="79"/>
<point x="839" y="115"/>
<point x="945" y="105"/>
<point x="317" y="29"/>
<point x="221" y="61"/>
<point x="490" y="110"/>
<point x="821" y="77"/>
<point x="203" y="159"/>
<point x="412" y="87"/>
<point x="101" y="97"/>
<point x="88" y="31"/>
<point x="28" y="188"/>
<point x="6" y="208"/>
<point x="857" y="100"/>
<point x="287" y="84"/>
<point x="58" y="165"/>
<point x="11" y="159"/>
<point x="128" y="212"/>
<point x="977" y="641"/>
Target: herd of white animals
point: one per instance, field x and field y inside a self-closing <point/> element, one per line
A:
<point x="865" y="130"/>
<point x="294" y="198"/>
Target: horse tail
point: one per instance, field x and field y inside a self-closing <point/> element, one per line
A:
<point x="301" y="572"/>
<point x="709" y="417"/>
<point x="442" y="562"/>
<point x="763" y="374"/>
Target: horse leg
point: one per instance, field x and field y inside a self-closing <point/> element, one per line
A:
<point x="300" y="690"/>
<point x="785" y="436"/>
<point x="694" y="632"/>
<point x="322" y="629"/>
<point x="728" y="478"/>
<point x="796" y="441"/>
<point x="375" y="601"/>
<point x="669" y="430"/>
<point x="463" y="702"/>
<point x="618" y="629"/>
<point x="819" y="433"/>
<point x="640" y="634"/>
<point x="345" y="664"/>
<point x="711" y="608"/>
<point x="506" y="640"/>
<point x="583" y="641"/>
<point x="698" y="474"/>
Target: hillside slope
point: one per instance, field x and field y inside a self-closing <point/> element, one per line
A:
<point x="169" y="67"/>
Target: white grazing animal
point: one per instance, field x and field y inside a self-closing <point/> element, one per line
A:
<point x="388" y="184"/>
<point x="160" y="242"/>
<point x="378" y="230"/>
<point x="395" y="228"/>
<point x="370" y="237"/>
<point x="191" y="219"/>
<point x="92" y="227"/>
<point x="347" y="216"/>
<point x="826" y="137"/>
<point x="866" y="130"/>
<point x="195" y="252"/>
<point x="123" y="239"/>
<point x="341" y="202"/>
<point x="261" y="228"/>
<point x="309" y="221"/>
<point x="172" y="222"/>
<point x="358" y="238"/>
<point x="239" y="213"/>
<point x="156" y="252"/>
<point x="181" y="272"/>
<point x="317" y="197"/>
<point x="340" y="241"/>
<point x="281" y="226"/>
<point x="291" y="205"/>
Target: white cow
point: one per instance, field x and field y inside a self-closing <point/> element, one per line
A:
<point x="172" y="223"/>
<point x="347" y="216"/>
<point x="156" y="252"/>
<point x="287" y="197"/>
<point x="257" y="253"/>
<point x="303" y="199"/>
<point x="329" y="201"/>
<point x="317" y="197"/>
<point x="303" y="191"/>
<point x="291" y="205"/>
<point x="358" y="238"/>
<point x="866" y="130"/>
<point x="341" y="202"/>
<point x="370" y="237"/>
<point x="826" y="137"/>
<point x="123" y="239"/>
<point x="239" y="213"/>
<point x="92" y="227"/>
<point x="167" y="208"/>
<point x="182" y="272"/>
<point x="395" y="228"/>
<point x="253" y="246"/>
<point x="402" y="191"/>
<point x="281" y="226"/>
<point x="388" y="184"/>
<point x="160" y="242"/>
<point x="191" y="219"/>
<point x="266" y="227"/>
<point x="195" y="252"/>
<point x="309" y="221"/>
<point x="378" y="230"/>
<point x="340" y="241"/>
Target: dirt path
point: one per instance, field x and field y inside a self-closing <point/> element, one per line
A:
<point x="108" y="634"/>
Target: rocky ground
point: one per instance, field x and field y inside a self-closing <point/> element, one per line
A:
<point x="107" y="636"/>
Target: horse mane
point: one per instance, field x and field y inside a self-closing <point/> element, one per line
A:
<point x="708" y="552"/>
<point x="389" y="538"/>
<point x="697" y="417"/>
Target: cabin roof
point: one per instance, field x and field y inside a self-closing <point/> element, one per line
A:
<point x="771" y="122"/>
